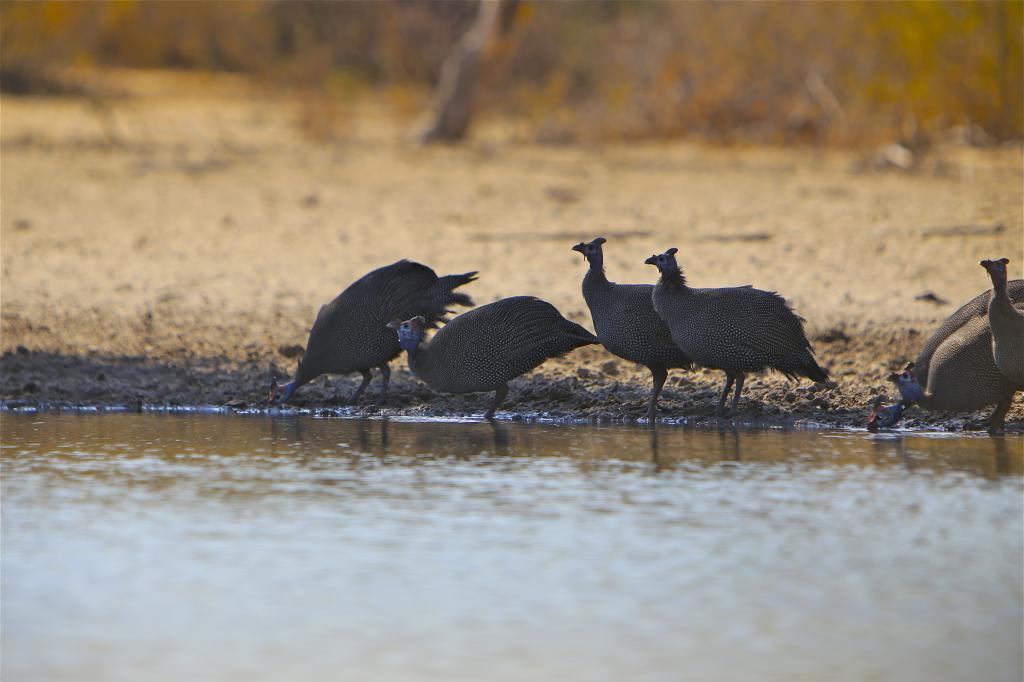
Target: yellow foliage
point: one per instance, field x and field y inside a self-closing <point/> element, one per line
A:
<point x="830" y="72"/>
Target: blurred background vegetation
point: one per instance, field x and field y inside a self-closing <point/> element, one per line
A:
<point x="832" y="73"/>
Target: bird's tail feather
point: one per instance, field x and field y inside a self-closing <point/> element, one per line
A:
<point x="445" y="289"/>
<point x="579" y="333"/>
<point x="810" y="368"/>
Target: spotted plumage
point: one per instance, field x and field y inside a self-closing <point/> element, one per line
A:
<point x="955" y="370"/>
<point x="734" y="329"/>
<point x="350" y="333"/>
<point x="485" y="348"/>
<point x="626" y="323"/>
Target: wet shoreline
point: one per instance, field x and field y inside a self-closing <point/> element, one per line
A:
<point x="852" y="421"/>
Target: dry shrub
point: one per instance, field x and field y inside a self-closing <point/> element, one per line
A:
<point x="785" y="71"/>
<point x="842" y="72"/>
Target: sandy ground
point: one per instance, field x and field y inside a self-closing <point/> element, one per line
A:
<point x="161" y="248"/>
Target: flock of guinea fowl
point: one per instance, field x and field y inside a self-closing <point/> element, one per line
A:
<point x="973" y="360"/>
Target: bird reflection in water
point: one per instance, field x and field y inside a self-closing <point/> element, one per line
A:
<point x="729" y="439"/>
<point x="500" y="433"/>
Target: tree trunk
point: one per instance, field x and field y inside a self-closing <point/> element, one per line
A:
<point x="453" y="106"/>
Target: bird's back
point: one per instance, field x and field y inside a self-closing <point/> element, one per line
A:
<point x="737" y="329"/>
<point x="484" y="348"/>
<point x="628" y="326"/>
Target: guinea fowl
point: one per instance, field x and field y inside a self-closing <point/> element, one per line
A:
<point x="350" y="333"/>
<point x="955" y="371"/>
<point x="1007" y="324"/>
<point x="485" y="348"/>
<point x="626" y="323"/>
<point x="734" y="329"/>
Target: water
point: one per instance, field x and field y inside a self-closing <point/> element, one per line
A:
<point x="159" y="547"/>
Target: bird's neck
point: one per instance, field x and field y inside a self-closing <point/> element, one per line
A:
<point x="418" y="351"/>
<point x="419" y="362"/>
<point x="595" y="275"/>
<point x="1003" y="316"/>
<point x="674" y="279"/>
<point x="289" y="389"/>
<point x="999" y="289"/>
<point x="304" y="373"/>
<point x="913" y="394"/>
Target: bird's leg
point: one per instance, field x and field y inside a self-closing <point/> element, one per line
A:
<point x="659" y="374"/>
<point x="385" y="379"/>
<point x="499" y="397"/>
<point x="725" y="393"/>
<point x="362" y="387"/>
<point x="996" y="421"/>
<point x="736" y="395"/>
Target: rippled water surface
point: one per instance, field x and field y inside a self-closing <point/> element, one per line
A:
<point x="159" y="547"/>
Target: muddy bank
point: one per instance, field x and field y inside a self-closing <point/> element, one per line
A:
<point x="590" y="386"/>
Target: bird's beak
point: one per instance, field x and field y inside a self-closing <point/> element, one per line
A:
<point x="653" y="260"/>
<point x="275" y="391"/>
<point x="580" y="247"/>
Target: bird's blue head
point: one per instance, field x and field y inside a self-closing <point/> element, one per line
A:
<point x="882" y="416"/>
<point x="282" y="394"/>
<point x="410" y="332"/>
<point x="906" y="383"/>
